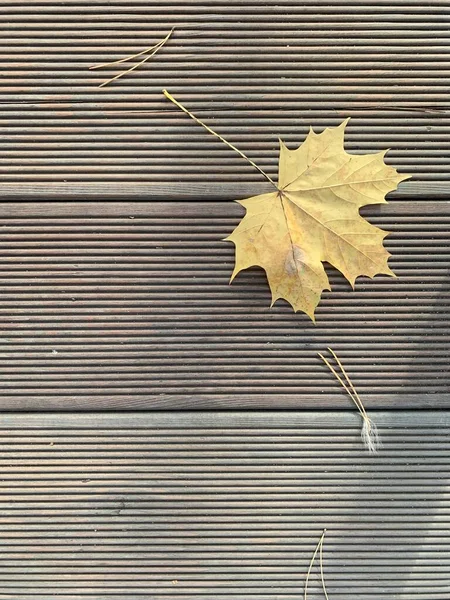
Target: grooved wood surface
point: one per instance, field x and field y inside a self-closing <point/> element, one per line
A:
<point x="222" y="505"/>
<point x="127" y="305"/>
<point x="254" y="70"/>
<point x="114" y="296"/>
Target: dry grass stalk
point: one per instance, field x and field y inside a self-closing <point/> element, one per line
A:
<point x="319" y="549"/>
<point x="369" y="431"/>
<point x="153" y="50"/>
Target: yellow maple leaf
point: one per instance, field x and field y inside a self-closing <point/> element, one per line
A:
<point x="313" y="217"/>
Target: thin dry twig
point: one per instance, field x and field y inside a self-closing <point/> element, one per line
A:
<point x="319" y="549"/>
<point x="369" y="431"/>
<point x="153" y="50"/>
<point x="322" y="576"/>
<point x="197" y="120"/>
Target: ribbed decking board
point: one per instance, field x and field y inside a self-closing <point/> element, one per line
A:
<point x="119" y="306"/>
<point x="127" y="305"/>
<point x="152" y="506"/>
<point x="252" y="70"/>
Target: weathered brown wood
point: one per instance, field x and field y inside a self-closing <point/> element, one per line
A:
<point x="170" y="190"/>
<point x="107" y="304"/>
<point x="94" y="213"/>
<point x="225" y="503"/>
<point x="127" y="305"/>
<point x="62" y="137"/>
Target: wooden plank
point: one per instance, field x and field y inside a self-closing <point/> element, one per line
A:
<point x="187" y="191"/>
<point x="415" y="210"/>
<point x="127" y="305"/>
<point x="64" y="138"/>
<point x="103" y="504"/>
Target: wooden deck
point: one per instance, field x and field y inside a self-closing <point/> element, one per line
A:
<point x="127" y="306"/>
<point x="193" y="505"/>
<point x="165" y="435"/>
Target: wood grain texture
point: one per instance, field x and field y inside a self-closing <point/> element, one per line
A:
<point x="228" y="504"/>
<point x="65" y="191"/>
<point x="254" y="71"/>
<point x="127" y="305"/>
<point x="120" y="301"/>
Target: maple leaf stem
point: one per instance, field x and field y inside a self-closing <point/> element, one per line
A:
<point x="319" y="549"/>
<point x="153" y="50"/>
<point x="197" y="120"/>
